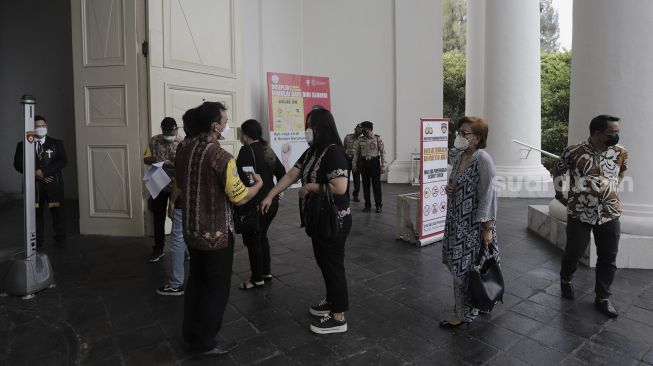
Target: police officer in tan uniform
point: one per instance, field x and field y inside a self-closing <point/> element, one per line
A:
<point x="350" y="150"/>
<point x="369" y="159"/>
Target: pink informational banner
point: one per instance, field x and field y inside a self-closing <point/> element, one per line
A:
<point x="290" y="98"/>
<point x="434" y="147"/>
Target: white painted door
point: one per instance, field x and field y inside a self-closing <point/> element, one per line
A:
<point x="195" y="56"/>
<point x="106" y="44"/>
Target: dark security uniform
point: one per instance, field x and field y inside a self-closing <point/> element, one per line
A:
<point x="369" y="158"/>
<point x="50" y="157"/>
<point x="350" y="151"/>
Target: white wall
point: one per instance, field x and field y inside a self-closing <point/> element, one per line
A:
<point x="354" y="44"/>
<point x="36" y="58"/>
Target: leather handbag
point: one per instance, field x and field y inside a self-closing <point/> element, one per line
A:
<point x="486" y="283"/>
<point x="321" y="215"/>
<point x="247" y="219"/>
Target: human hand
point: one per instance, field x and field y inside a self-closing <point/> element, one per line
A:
<point x="171" y="208"/>
<point x="486" y="236"/>
<point x="303" y="192"/>
<point x="449" y="189"/>
<point x="265" y="204"/>
<point x="383" y="169"/>
<point x="39" y="174"/>
<point x="49" y="179"/>
<point x="280" y="196"/>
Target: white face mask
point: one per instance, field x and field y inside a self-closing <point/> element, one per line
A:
<point x="461" y="143"/>
<point x="41" y="131"/>
<point x="309" y="135"/>
<point x="225" y="131"/>
<point x="169" y="138"/>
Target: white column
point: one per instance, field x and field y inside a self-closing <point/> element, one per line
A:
<point x="418" y="75"/>
<point x="612" y="74"/>
<point x="474" y="78"/>
<point x="512" y="96"/>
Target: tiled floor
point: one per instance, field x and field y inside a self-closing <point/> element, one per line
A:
<point x="104" y="310"/>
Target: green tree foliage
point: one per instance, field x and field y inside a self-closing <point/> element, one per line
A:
<point x="455" y="25"/>
<point x="453" y="80"/>
<point x="549" y="28"/>
<point x="556" y="77"/>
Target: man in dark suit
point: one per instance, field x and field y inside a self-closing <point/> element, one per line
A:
<point x="50" y="159"/>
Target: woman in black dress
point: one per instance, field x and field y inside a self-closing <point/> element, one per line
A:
<point x="324" y="162"/>
<point x="257" y="154"/>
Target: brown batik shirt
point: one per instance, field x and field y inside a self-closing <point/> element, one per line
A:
<point x="594" y="181"/>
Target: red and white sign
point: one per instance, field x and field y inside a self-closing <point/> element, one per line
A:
<point x="434" y="146"/>
<point x="290" y="98"/>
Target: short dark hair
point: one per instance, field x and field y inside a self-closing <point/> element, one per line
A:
<point x="600" y="123"/>
<point x="252" y="128"/>
<point x="479" y="128"/>
<point x="190" y="122"/>
<point x="40" y="118"/>
<point x="206" y="114"/>
<point x="324" y="128"/>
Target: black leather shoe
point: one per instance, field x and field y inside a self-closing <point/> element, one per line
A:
<point x="378" y="209"/>
<point x="606" y="307"/>
<point x="567" y="290"/>
<point x="367" y="209"/>
<point x="219" y="349"/>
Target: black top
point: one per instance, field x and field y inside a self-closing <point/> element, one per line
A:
<point x="254" y="155"/>
<point x="322" y="166"/>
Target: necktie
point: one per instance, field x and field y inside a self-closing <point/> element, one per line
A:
<point x="39" y="148"/>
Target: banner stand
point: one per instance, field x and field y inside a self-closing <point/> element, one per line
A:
<point x="26" y="272"/>
<point x="434" y="148"/>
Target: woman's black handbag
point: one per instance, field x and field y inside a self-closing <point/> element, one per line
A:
<point x="247" y="218"/>
<point x="321" y="215"/>
<point x="486" y="284"/>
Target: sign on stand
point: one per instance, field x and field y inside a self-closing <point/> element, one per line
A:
<point x="434" y="137"/>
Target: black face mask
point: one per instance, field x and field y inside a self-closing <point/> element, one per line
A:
<point x="612" y="140"/>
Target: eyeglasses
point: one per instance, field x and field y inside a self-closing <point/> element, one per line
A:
<point x="464" y="133"/>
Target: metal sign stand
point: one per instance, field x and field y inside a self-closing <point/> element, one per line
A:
<point x="27" y="272"/>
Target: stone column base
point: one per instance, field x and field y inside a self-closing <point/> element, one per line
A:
<point x="524" y="182"/>
<point x="635" y="250"/>
<point x="399" y="171"/>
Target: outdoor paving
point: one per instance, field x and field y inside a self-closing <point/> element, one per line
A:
<point x="104" y="310"/>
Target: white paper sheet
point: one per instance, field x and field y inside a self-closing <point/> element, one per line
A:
<point x="156" y="179"/>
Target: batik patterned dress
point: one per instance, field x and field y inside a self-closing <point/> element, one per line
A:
<point x="473" y="202"/>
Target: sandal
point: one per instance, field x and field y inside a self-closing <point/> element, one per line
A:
<point x="249" y="285"/>
<point x="446" y="325"/>
<point x="267" y="278"/>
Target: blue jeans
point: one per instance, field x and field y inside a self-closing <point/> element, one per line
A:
<point x="177" y="249"/>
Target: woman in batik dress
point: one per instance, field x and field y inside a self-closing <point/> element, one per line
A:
<point x="470" y="229"/>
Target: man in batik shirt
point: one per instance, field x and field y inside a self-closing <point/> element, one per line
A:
<point x="596" y="167"/>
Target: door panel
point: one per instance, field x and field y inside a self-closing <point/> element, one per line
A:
<point x="105" y="68"/>
<point x="195" y="57"/>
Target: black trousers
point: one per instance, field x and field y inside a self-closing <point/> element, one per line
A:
<point x="606" y="238"/>
<point x="371" y="171"/>
<point x="357" y="179"/>
<point x="58" y="218"/>
<point x="330" y="257"/>
<point x="159" y="212"/>
<point x="258" y="245"/>
<point x="206" y="296"/>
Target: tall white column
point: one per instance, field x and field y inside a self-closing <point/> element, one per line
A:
<point x="512" y="96"/>
<point x="418" y="76"/>
<point x="475" y="49"/>
<point x="612" y="74"/>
